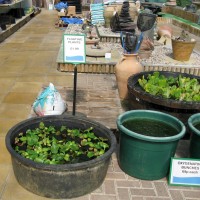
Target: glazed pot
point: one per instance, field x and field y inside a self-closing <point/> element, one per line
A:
<point x="144" y="156"/>
<point x="61" y="180"/>
<point x="127" y="66"/>
<point x="194" y="126"/>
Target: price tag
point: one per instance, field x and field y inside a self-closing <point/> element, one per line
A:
<point x="185" y="172"/>
<point x="108" y="55"/>
<point x="74" y="49"/>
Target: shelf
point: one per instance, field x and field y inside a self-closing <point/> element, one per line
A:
<point x="11" y="4"/>
<point x="14" y="27"/>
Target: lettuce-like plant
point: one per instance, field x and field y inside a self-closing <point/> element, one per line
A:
<point x="51" y="145"/>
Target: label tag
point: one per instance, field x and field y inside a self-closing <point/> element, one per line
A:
<point x="184" y="171"/>
<point x="108" y="55"/>
<point x="74" y="49"/>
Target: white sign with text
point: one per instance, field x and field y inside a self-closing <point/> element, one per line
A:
<point x="185" y="172"/>
<point x="74" y="48"/>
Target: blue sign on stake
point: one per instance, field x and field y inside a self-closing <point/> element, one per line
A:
<point x="184" y="172"/>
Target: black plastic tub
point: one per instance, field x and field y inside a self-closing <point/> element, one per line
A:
<point x="63" y="180"/>
<point x="139" y="99"/>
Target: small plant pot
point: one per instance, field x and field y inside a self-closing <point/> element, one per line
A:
<point x="193" y="122"/>
<point x="60" y="180"/>
<point x="143" y="156"/>
<point x="182" y="50"/>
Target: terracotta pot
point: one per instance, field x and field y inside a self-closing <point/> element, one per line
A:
<point x="126" y="67"/>
<point x="165" y="30"/>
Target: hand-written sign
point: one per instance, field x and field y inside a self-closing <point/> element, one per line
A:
<point x="185" y="171"/>
<point x="74" y="48"/>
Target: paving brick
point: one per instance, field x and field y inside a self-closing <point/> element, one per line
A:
<point x="128" y="184"/>
<point x="191" y="194"/>
<point x="123" y="194"/>
<point x="114" y="156"/>
<point x="137" y="198"/>
<point x="102" y="197"/>
<point x="99" y="190"/>
<point x="115" y="176"/>
<point x="110" y="168"/>
<point x="116" y="166"/>
<point x="142" y="192"/>
<point x="109" y="187"/>
<point x="146" y="184"/>
<point x="192" y="199"/>
<point x="86" y="197"/>
<point x="159" y="198"/>
<point x="176" y="194"/>
<point x="131" y="178"/>
<point x="161" y="189"/>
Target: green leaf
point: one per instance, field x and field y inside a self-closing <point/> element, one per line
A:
<point x="41" y="125"/>
<point x="103" y="144"/>
<point x="32" y="139"/>
<point x="63" y="128"/>
<point x="54" y="146"/>
<point x="90" y="154"/>
<point x="67" y="157"/>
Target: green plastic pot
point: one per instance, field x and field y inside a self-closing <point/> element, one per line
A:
<point x="147" y="157"/>
<point x="195" y="136"/>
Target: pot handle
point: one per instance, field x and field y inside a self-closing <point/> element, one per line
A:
<point x="138" y="58"/>
<point x="123" y="58"/>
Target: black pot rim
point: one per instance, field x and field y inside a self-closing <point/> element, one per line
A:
<point x="138" y="92"/>
<point x="61" y="167"/>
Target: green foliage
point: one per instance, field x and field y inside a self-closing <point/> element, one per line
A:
<point x="179" y="88"/>
<point x="59" y="146"/>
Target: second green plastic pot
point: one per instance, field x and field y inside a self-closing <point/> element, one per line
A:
<point x="195" y="136"/>
<point x="147" y="157"/>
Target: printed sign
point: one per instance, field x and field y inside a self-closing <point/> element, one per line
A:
<point x="185" y="171"/>
<point x="74" y="48"/>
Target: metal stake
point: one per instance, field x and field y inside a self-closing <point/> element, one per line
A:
<point x="75" y="86"/>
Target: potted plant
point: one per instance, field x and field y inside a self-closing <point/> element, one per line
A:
<point x="148" y="140"/>
<point x="194" y="126"/>
<point x="174" y="93"/>
<point x="60" y="156"/>
<point x="182" y="46"/>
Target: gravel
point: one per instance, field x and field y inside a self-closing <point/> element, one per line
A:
<point x="161" y="56"/>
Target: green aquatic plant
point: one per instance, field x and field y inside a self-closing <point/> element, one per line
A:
<point x="178" y="88"/>
<point x="51" y="145"/>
